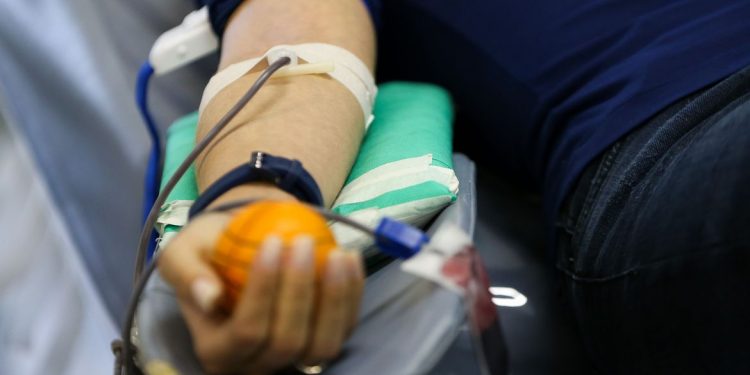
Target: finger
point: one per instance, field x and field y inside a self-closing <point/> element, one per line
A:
<point x="223" y="347"/>
<point x="211" y="343"/>
<point x="251" y="320"/>
<point x="294" y="305"/>
<point x="183" y="262"/>
<point x="331" y="321"/>
<point x="356" y="270"/>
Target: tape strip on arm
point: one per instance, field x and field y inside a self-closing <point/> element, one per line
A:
<point x="319" y="58"/>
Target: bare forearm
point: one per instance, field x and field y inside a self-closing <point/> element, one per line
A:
<point x="310" y="118"/>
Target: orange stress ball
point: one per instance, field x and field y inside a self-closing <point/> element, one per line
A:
<point x="240" y="242"/>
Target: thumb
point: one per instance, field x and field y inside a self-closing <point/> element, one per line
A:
<point x="183" y="263"/>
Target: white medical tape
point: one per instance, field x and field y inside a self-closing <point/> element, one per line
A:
<point x="173" y="213"/>
<point x="395" y="176"/>
<point x="335" y="61"/>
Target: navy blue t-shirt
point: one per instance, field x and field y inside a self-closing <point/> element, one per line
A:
<point x="543" y="87"/>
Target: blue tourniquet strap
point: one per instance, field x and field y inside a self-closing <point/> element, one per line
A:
<point x="288" y="175"/>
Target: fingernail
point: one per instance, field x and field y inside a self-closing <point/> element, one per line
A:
<point x="205" y="294"/>
<point x="336" y="269"/>
<point x="270" y="253"/>
<point x="302" y="253"/>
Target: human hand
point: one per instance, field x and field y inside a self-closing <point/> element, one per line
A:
<point x="281" y="317"/>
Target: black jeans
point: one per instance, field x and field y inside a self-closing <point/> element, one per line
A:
<point x="654" y="241"/>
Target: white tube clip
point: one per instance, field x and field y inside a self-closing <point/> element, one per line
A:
<point x="184" y="44"/>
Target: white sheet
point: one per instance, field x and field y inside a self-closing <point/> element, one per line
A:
<point x="51" y="320"/>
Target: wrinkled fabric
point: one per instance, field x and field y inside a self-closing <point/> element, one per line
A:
<point x="544" y="87"/>
<point x="52" y="320"/>
<point x="67" y="77"/>
<point x="654" y="247"/>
